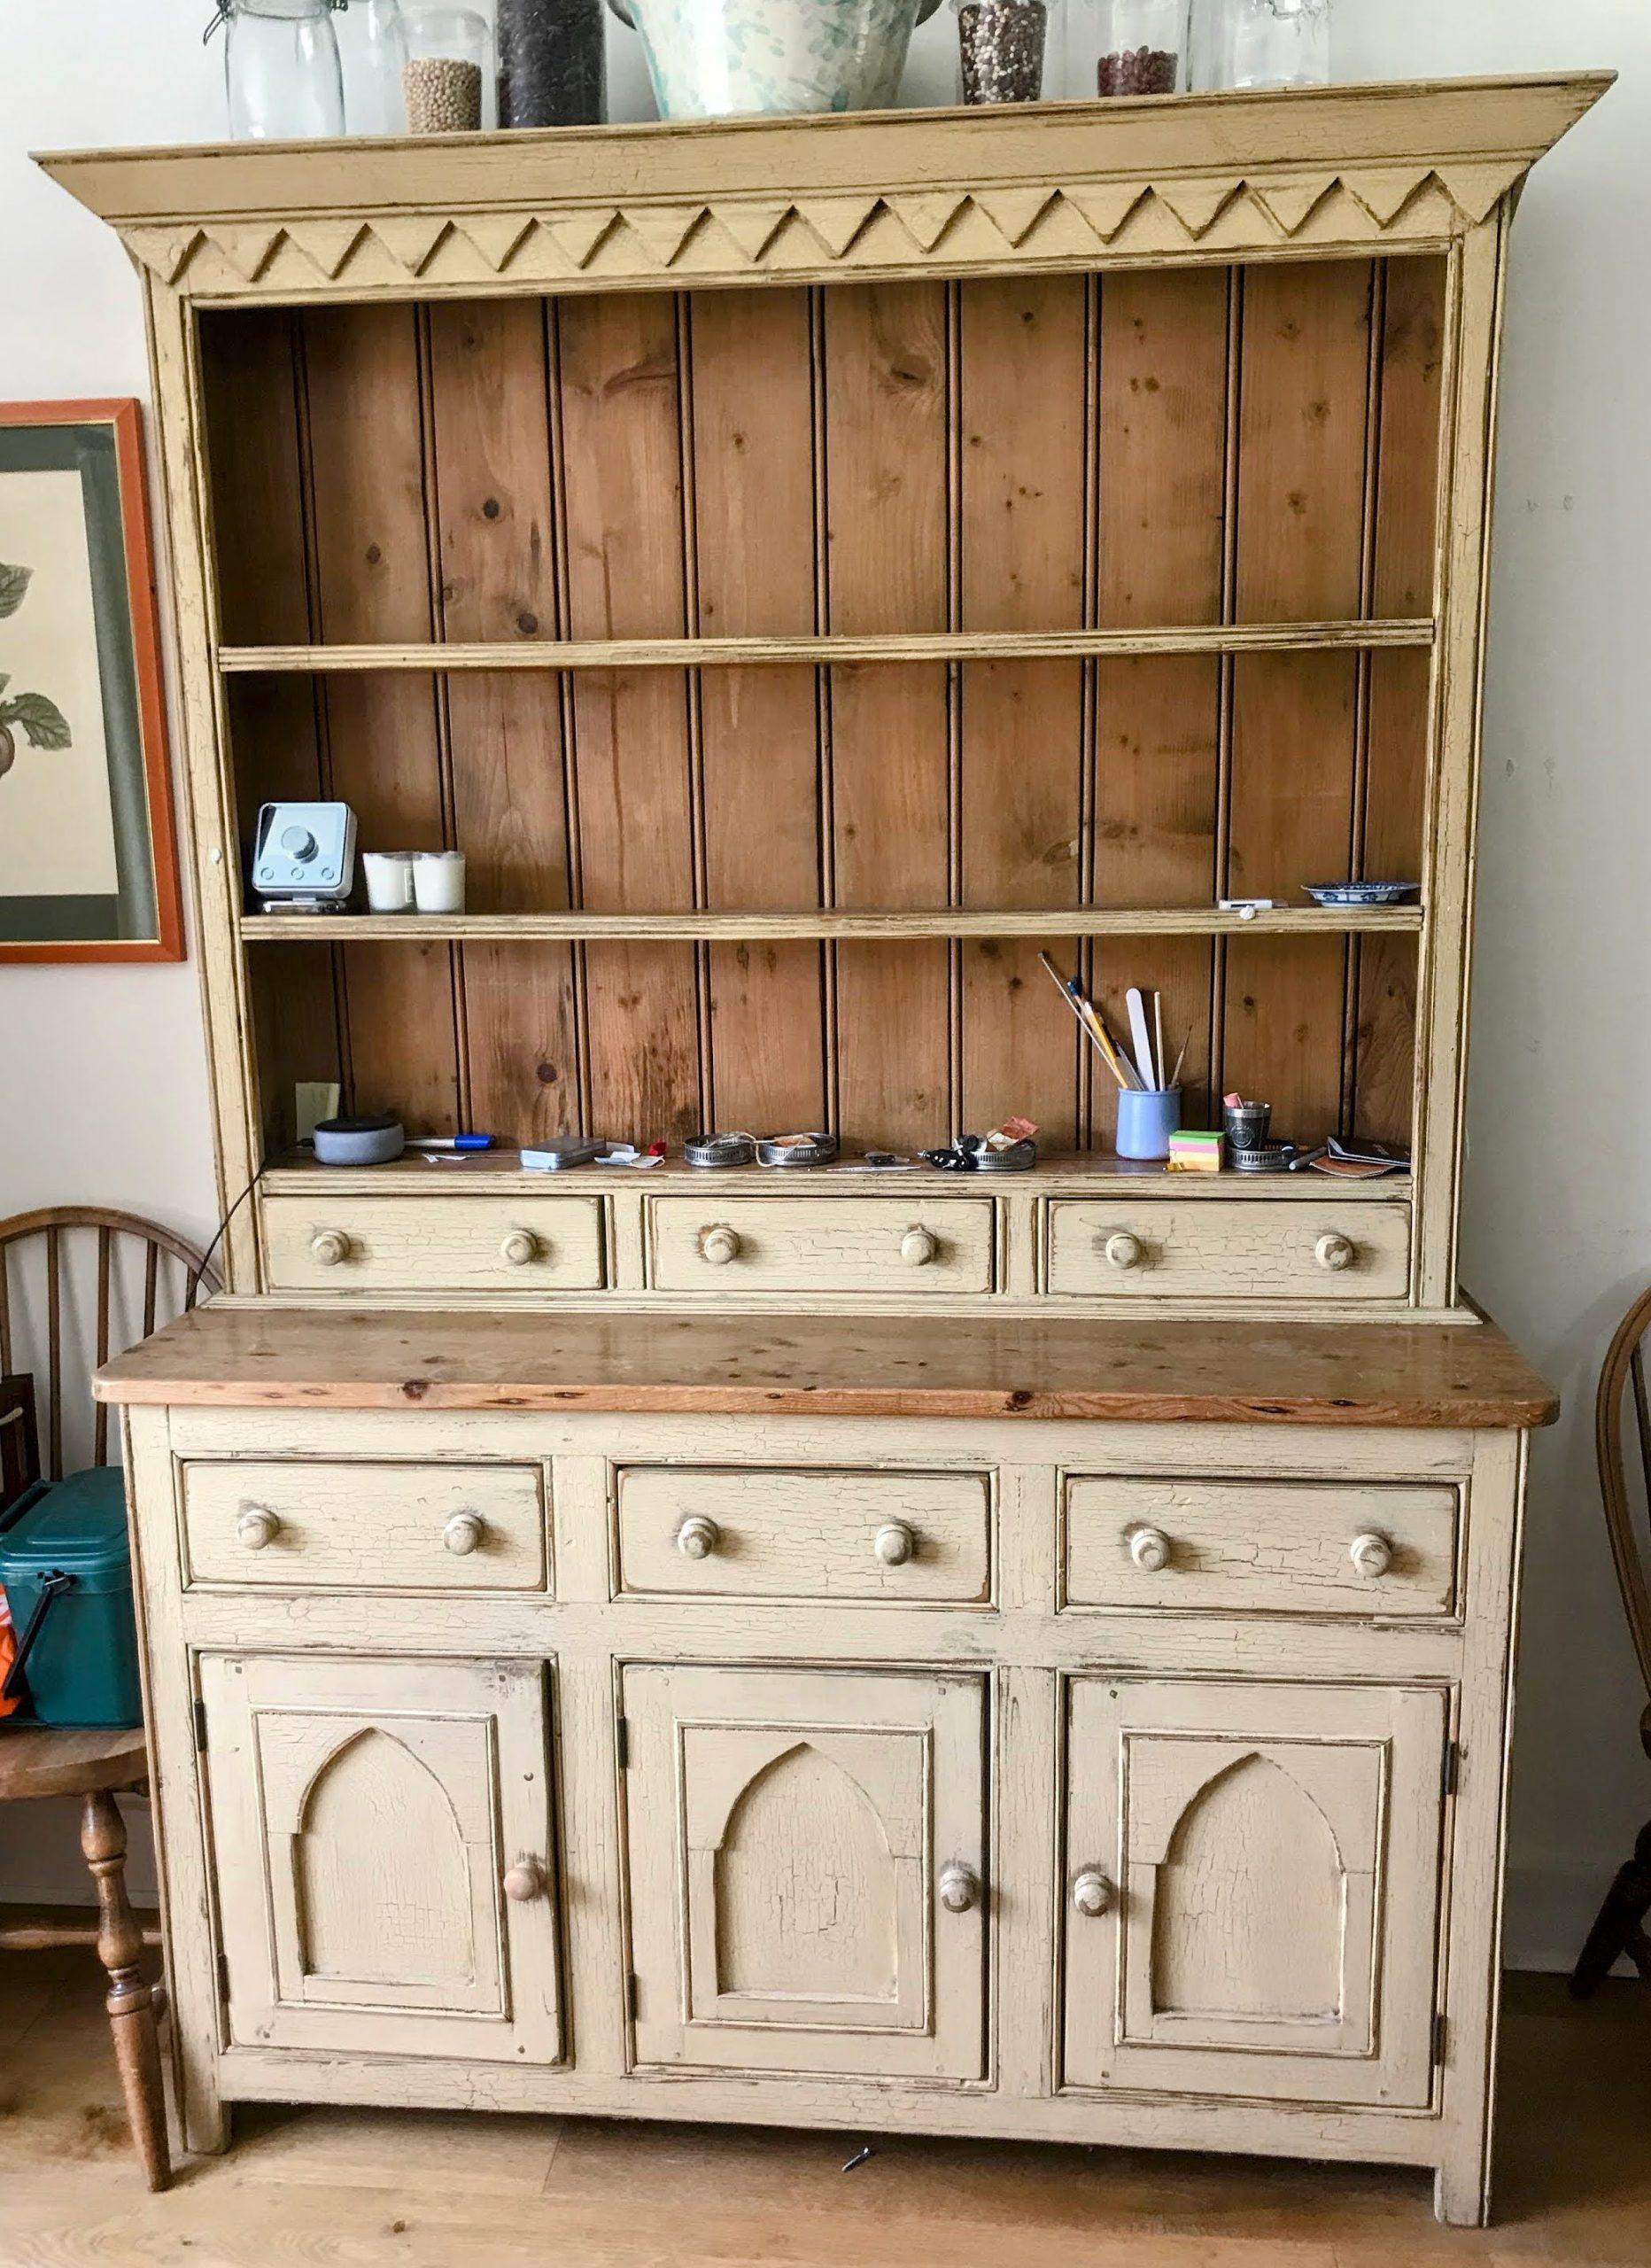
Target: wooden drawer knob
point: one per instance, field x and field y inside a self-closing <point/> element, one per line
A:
<point x="697" y="1538"/>
<point x="1334" y="1252"/>
<point x="1372" y="1554"/>
<point x="1092" y="1894"/>
<point x="1148" y="1548"/>
<point x="918" y="1247"/>
<point x="524" y="1881"/>
<point x="328" y="1247"/>
<point x="959" y="1887"/>
<point x="1124" y="1250"/>
<point x="895" y="1544"/>
<point x="257" y="1526"/>
<point x="719" y="1245"/>
<point x="463" y="1533"/>
<point x="519" y="1248"/>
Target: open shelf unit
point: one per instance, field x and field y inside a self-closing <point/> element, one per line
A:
<point x="1042" y="554"/>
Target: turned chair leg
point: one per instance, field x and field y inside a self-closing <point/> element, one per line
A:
<point x="131" y="2002"/>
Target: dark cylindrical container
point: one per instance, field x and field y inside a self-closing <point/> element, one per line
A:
<point x="552" y="63"/>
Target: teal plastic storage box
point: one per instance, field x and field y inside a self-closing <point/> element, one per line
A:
<point x="66" y="1569"/>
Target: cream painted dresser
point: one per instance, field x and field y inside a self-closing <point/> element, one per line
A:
<point x="1008" y="1656"/>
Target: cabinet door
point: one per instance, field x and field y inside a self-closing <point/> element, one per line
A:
<point x="382" y="1835"/>
<point x="807" y="1853"/>
<point x="1252" y="1889"/>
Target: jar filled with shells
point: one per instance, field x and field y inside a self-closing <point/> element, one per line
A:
<point x="446" y="69"/>
<point x="1003" y="46"/>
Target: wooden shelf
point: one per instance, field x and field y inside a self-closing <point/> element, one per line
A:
<point x="791" y="653"/>
<point x="946" y="922"/>
<point x="1096" y="1173"/>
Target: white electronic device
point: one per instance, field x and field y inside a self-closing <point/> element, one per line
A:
<point x="304" y="856"/>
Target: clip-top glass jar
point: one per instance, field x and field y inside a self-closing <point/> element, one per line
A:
<point x="552" y="63"/>
<point x="281" y="69"/>
<point x="1276" y="43"/>
<point x="373" y="49"/>
<point x="446" y="56"/>
<point x="1142" y="47"/>
<point x="1002" y="48"/>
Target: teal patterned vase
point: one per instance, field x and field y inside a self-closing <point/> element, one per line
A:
<point x="723" y="58"/>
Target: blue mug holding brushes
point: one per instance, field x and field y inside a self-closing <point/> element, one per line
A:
<point x="1146" y="1119"/>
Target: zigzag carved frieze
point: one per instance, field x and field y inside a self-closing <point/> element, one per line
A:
<point x="728" y="237"/>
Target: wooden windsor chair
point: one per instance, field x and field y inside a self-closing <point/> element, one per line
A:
<point x="41" y="1316"/>
<point x="1626" y="1485"/>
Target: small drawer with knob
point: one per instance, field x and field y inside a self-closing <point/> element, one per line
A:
<point x="902" y="1248"/>
<point x="723" y="1531"/>
<point x="1215" y="1248"/>
<point x="435" y="1243"/>
<point x="293" y="1525"/>
<point x="1370" y="1551"/>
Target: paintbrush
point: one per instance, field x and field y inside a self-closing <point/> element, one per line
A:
<point x="1181" y="1059"/>
<point x="1122" y="1069"/>
<point x="1086" y="1023"/>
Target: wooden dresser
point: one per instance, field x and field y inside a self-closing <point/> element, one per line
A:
<point x="1018" y="1655"/>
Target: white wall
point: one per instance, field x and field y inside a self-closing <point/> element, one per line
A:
<point x="103" y="1095"/>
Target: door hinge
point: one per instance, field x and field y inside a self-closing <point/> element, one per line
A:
<point x="632" y="1996"/>
<point x="223" y="1978"/>
<point x="200" y="1729"/>
<point x="1440" y="2031"/>
<point x="1452" y="1766"/>
<point x="622" y="1739"/>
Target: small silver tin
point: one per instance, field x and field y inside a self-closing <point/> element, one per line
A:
<point x="819" y="1150"/>
<point x="1272" y="1157"/>
<point x="1019" y="1157"/>
<point x="712" y="1150"/>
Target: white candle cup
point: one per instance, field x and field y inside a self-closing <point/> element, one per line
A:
<point x="389" y="880"/>
<point x="438" y="881"/>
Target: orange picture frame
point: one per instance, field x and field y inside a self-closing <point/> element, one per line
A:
<point x="149" y="922"/>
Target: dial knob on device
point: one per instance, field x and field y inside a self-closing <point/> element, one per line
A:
<point x="299" y="843"/>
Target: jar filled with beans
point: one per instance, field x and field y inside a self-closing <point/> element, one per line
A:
<point x="1004" y="45"/>
<point x="1143" y="46"/>
<point x="446" y="62"/>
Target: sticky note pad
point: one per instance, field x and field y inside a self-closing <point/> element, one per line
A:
<point x="1195" y="1153"/>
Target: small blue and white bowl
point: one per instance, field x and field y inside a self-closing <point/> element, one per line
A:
<point x="1345" y="894"/>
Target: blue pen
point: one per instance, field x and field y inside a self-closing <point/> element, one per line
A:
<point x="452" y="1141"/>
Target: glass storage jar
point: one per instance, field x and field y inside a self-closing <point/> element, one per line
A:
<point x="1143" y="46"/>
<point x="446" y="60"/>
<point x="1002" y="46"/>
<point x="372" y="49"/>
<point x="1276" y="43"/>
<point x="552" y="63"/>
<point x="281" y="69"/>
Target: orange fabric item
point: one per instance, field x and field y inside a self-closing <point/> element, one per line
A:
<point x="8" y="1651"/>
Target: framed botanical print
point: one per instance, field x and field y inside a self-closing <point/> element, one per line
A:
<point x="89" y="866"/>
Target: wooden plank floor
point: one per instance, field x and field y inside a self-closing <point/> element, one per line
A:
<point x="419" y="2190"/>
